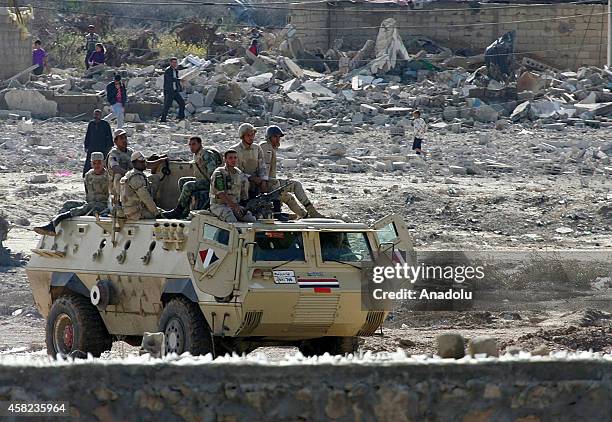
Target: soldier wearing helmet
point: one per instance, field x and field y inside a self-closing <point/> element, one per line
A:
<point x="293" y="195"/>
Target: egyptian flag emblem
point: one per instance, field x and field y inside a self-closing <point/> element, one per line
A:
<point x="319" y="285"/>
<point x="208" y="257"/>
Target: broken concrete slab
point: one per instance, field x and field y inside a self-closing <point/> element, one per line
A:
<point x="317" y="89"/>
<point x="305" y="98"/>
<point x="521" y="111"/>
<point x="32" y="101"/>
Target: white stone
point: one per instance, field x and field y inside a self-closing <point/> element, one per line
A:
<point x="32" y="101"/>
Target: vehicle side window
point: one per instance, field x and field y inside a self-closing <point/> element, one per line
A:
<point x="345" y="246"/>
<point x="387" y="233"/>
<point x="278" y="246"/>
<point x="216" y="234"/>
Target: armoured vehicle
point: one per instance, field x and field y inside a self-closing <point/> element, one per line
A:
<point x="210" y="286"/>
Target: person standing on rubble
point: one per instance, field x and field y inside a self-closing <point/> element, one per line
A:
<point x="98" y="138"/>
<point x="420" y="130"/>
<point x="98" y="56"/>
<point x="91" y="39"/>
<point x="251" y="160"/>
<point x="116" y="94"/>
<point x="293" y="194"/>
<point x="172" y="91"/>
<point x="39" y="57"/>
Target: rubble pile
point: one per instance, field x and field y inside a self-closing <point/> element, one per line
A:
<point x="348" y="93"/>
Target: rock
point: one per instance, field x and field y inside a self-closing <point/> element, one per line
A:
<point x="261" y="81"/>
<point x="564" y="230"/>
<point x="450" y="113"/>
<point x="134" y="84"/>
<point x="229" y="93"/>
<point x="521" y="111"/>
<point x="38" y="178"/>
<point x="368" y="110"/>
<point x="483" y="345"/>
<point x="32" y="101"/>
<point x="290" y="163"/>
<point x="541" y="350"/>
<point x="323" y="127"/>
<point x="22" y="221"/>
<point x="153" y="344"/>
<point x="502" y="124"/>
<point x="210" y="96"/>
<point x="485" y="114"/>
<point x="457" y="170"/>
<point x="197" y="99"/>
<point x="337" y="149"/>
<point x="450" y="346"/>
<point x="305" y="98"/>
<point x="380" y="119"/>
<point x="317" y="89"/>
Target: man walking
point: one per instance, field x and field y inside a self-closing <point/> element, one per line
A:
<point x="116" y="94"/>
<point x="96" y="194"/>
<point x="205" y="162"/>
<point x="98" y="138"/>
<point x="420" y="129"/>
<point x="293" y="194"/>
<point x="172" y="91"/>
<point x="91" y="39"/>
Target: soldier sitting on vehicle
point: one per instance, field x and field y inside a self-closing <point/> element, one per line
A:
<point x="205" y="162"/>
<point x="251" y="160"/>
<point x="96" y="193"/>
<point x="227" y="189"/>
<point x="293" y="195"/>
<point x="119" y="162"/>
<point x="136" y="198"/>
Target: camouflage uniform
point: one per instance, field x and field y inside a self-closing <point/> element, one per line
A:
<point x="204" y="166"/>
<point x="96" y="194"/>
<point x="251" y="162"/>
<point x="123" y="159"/>
<point x="136" y="198"/>
<point x="231" y="182"/>
<point x="293" y="195"/>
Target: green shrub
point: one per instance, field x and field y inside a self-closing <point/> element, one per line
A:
<point x="169" y="46"/>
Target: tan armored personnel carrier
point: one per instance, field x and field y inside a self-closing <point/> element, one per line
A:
<point x="210" y="286"/>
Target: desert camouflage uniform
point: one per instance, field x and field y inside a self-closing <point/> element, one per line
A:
<point x="231" y="182"/>
<point x="251" y="162"/>
<point x="123" y="159"/>
<point x="96" y="194"/>
<point x="204" y="166"/>
<point x="136" y="198"/>
<point x="294" y="191"/>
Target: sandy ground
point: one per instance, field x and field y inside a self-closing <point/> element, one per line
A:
<point x="522" y="209"/>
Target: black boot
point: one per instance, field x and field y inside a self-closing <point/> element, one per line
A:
<point x="46" y="230"/>
<point x="178" y="212"/>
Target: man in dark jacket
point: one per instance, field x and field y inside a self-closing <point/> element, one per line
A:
<point x="172" y="91"/>
<point x="116" y="94"/>
<point x="99" y="138"/>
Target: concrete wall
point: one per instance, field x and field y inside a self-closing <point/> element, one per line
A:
<point x="488" y="391"/>
<point x="566" y="43"/>
<point x="15" y="47"/>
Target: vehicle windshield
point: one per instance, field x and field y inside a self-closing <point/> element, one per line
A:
<point x="345" y="246"/>
<point x="278" y="246"/>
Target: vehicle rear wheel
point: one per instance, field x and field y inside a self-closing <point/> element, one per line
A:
<point x="74" y="324"/>
<point x="332" y="345"/>
<point x="185" y="328"/>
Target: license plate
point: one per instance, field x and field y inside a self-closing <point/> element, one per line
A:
<point x="284" y="277"/>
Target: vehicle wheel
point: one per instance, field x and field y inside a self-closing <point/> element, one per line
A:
<point x="185" y="328"/>
<point x="332" y="345"/>
<point x="74" y="324"/>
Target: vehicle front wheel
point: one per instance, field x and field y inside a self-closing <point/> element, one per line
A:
<point x="185" y="328"/>
<point x="74" y="324"/>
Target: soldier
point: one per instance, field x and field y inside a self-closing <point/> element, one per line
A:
<point x="96" y="193"/>
<point x="119" y="162"/>
<point x="136" y="198"/>
<point x="251" y="160"/>
<point x="293" y="195"/>
<point x="227" y="189"/>
<point x="205" y="163"/>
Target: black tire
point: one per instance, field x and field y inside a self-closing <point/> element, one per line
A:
<point x="332" y="345"/>
<point x="73" y="325"/>
<point x="185" y="328"/>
